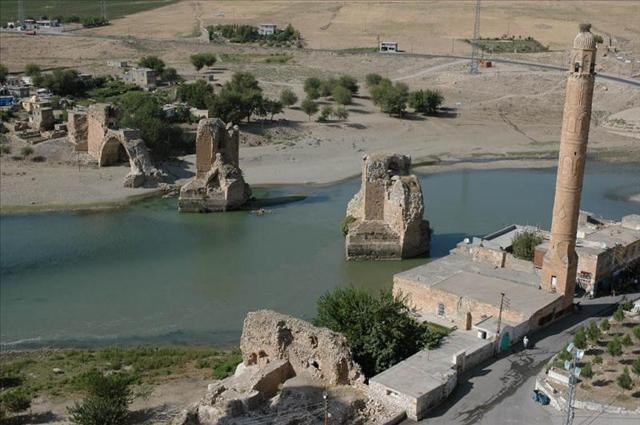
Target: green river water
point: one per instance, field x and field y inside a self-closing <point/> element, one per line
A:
<point x="146" y="274"/>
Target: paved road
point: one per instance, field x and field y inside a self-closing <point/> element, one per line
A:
<point x="500" y="392"/>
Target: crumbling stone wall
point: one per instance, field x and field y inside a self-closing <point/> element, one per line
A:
<point x="218" y="184"/>
<point x="387" y="211"/>
<point x="96" y="132"/>
<point x="42" y="119"/>
<point x="268" y="336"/>
<point x="78" y="134"/>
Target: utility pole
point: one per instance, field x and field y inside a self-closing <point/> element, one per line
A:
<point x="500" y="314"/>
<point x="574" y="373"/>
<point x="103" y="9"/>
<point x="21" y="12"/>
<point x="474" y="65"/>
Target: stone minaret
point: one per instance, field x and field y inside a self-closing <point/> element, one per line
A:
<point x="560" y="261"/>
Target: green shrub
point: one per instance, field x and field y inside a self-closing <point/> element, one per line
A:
<point x="228" y="367"/>
<point x="618" y="316"/>
<point x="426" y="101"/>
<point x="344" y="227"/>
<point x="288" y="98"/>
<point x="593" y="332"/>
<point x="636" y="366"/>
<point x="325" y="113"/>
<point x="524" y="244"/>
<point x="106" y="401"/>
<point x="26" y="151"/>
<point x="5" y="149"/>
<point x="341" y="113"/>
<point x="624" y="380"/>
<point x="580" y="339"/>
<point x="380" y="329"/>
<point x="312" y="87"/>
<point x="627" y="305"/>
<point x="564" y="354"/>
<point x="597" y="360"/>
<point x="614" y="347"/>
<point x="636" y="331"/>
<point x="372" y="80"/>
<point x="626" y="340"/>
<point x="341" y="95"/>
<point x="604" y="325"/>
<point x="15" y="401"/>
<point x="309" y="107"/>
<point x="200" y="60"/>
<point x="587" y="371"/>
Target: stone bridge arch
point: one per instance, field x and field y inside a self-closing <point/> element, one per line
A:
<point x="126" y="144"/>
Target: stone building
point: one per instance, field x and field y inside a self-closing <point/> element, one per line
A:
<point x="141" y="77"/>
<point x="96" y="132"/>
<point x="560" y="261"/>
<point x="608" y="251"/>
<point x="218" y="184"/>
<point x="385" y="218"/>
<point x="42" y="118"/>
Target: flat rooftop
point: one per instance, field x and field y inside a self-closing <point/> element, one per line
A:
<point x="523" y="299"/>
<point x="438" y="270"/>
<point x="427" y="370"/>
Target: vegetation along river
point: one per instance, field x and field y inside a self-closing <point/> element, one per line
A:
<point x="147" y="274"/>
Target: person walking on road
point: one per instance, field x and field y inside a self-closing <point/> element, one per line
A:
<point x="525" y="342"/>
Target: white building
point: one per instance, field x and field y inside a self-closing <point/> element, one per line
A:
<point x="389" y="47"/>
<point x="267" y="29"/>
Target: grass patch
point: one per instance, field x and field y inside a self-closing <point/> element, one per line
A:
<point x="60" y="372"/>
<point x="82" y="8"/>
<point x="357" y="50"/>
<point x="278" y="58"/>
<point x="509" y="45"/>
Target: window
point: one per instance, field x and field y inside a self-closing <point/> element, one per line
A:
<point x="440" y="309"/>
<point x="554" y="282"/>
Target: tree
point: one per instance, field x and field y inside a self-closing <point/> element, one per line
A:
<point x="198" y="94"/>
<point x="614" y="347"/>
<point x="380" y="329"/>
<point x="170" y="75"/>
<point x="152" y="62"/>
<point x="392" y="99"/>
<point x="349" y="83"/>
<point x="604" y="325"/>
<point x="309" y="107"/>
<point x="32" y="70"/>
<point x="272" y="107"/>
<point x="626" y="341"/>
<point x="624" y="380"/>
<point x="106" y="401"/>
<point x="524" y="244"/>
<point x="143" y="111"/>
<point x="325" y="113"/>
<point x="244" y="92"/>
<point x="288" y="98"/>
<point x="425" y="101"/>
<point x="15" y="401"/>
<point x="68" y="82"/>
<point x="593" y="332"/>
<point x="587" y="371"/>
<point x="618" y="315"/>
<point x="3" y="73"/>
<point x="341" y="95"/>
<point x="341" y="113"/>
<point x="326" y="87"/>
<point x="598" y="38"/>
<point x="372" y="80"/>
<point x="312" y="87"/>
<point x="580" y="339"/>
<point x="200" y="60"/>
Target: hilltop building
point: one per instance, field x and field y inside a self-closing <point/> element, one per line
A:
<point x="141" y="77"/>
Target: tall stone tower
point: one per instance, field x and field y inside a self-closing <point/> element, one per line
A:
<point x="560" y="261"/>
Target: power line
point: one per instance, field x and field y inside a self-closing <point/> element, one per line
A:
<point x="103" y="9"/>
<point x="474" y="65"/>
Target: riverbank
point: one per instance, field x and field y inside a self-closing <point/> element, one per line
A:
<point x="167" y="378"/>
<point x="29" y="188"/>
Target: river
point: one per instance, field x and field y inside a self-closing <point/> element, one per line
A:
<point x="147" y="274"/>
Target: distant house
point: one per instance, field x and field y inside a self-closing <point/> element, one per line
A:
<point x="389" y="47"/>
<point x="267" y="29"/>
<point x="18" y="91"/>
<point x="142" y="77"/>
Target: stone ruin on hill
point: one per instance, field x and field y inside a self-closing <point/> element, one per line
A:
<point x="96" y="132"/>
<point x="288" y="366"/>
<point x="385" y="218"/>
<point x="218" y="184"/>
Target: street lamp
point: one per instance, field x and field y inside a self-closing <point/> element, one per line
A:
<point x="574" y="373"/>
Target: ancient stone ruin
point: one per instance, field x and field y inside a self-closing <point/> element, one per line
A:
<point x="385" y="218"/>
<point x="96" y="132"/>
<point x="218" y="184"/>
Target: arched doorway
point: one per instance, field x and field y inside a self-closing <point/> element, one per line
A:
<point x="113" y="152"/>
